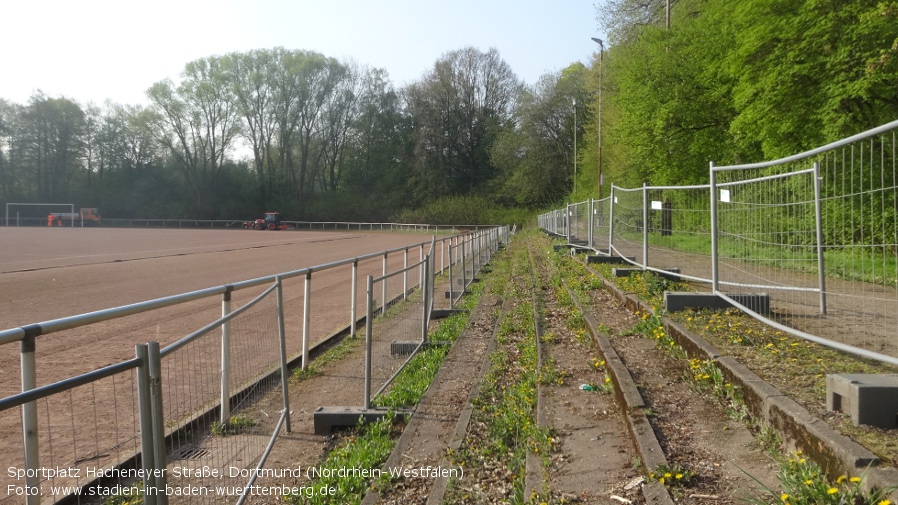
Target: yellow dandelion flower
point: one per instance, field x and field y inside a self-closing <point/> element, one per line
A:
<point x="784" y="497"/>
<point x="832" y="490"/>
<point x="855" y="479"/>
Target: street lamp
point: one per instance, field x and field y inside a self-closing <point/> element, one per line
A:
<point x="601" y="74"/>
<point x="575" y="147"/>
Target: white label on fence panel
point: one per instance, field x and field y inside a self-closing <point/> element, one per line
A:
<point x="724" y="195"/>
<point x="656" y="205"/>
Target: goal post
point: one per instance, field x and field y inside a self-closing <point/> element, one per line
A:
<point x="34" y="214"/>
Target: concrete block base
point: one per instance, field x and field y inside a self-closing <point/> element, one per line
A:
<point x="444" y="313"/>
<point x="328" y="418"/>
<point x="608" y="259"/>
<point x="870" y="399"/>
<point x="404" y="348"/>
<point x="677" y="301"/>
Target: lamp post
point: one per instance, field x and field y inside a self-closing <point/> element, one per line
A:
<point x="575" y="147"/>
<point x="601" y="74"/>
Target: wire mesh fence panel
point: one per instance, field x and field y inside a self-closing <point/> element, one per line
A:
<point x="209" y="457"/>
<point x="461" y="273"/>
<point x="627" y="223"/>
<point x="579" y="223"/>
<point x="396" y="333"/>
<point x="601" y="225"/>
<point x="84" y="434"/>
<point x="767" y="240"/>
<point x="679" y="230"/>
<point x="839" y="273"/>
<point x="860" y="239"/>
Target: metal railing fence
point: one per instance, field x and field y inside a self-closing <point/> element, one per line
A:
<point x="142" y="418"/>
<point x="816" y="232"/>
<point x="399" y="336"/>
<point x="41" y="220"/>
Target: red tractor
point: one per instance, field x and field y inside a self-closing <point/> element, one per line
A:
<point x="272" y="221"/>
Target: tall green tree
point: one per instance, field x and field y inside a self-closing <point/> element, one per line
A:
<point x="46" y="147"/>
<point x="379" y="157"/>
<point x="458" y="109"/>
<point x="537" y="156"/>
<point x="810" y="72"/>
<point x="252" y="76"/>
<point x="671" y="97"/>
<point x="197" y="122"/>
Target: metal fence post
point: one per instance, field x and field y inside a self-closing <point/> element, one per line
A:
<point x="282" y="347"/>
<point x="715" y="281"/>
<point x="611" y="222"/>
<point x="306" y="311"/>
<point x="368" y="328"/>
<point x="567" y="223"/>
<point x="451" y="280"/>
<point x="383" y="301"/>
<point x="464" y="269"/>
<point x="590" y="212"/>
<point x="821" y="263"/>
<point x="160" y="458"/>
<point x="353" y="297"/>
<point x="225" y="358"/>
<point x="421" y="268"/>
<point x="405" y="273"/>
<point x="145" y="415"/>
<point x="29" y="419"/>
<point x="645" y="225"/>
<point x="425" y="288"/>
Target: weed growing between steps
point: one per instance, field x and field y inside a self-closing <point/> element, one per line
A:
<point x="803" y="482"/>
<point x="503" y="428"/>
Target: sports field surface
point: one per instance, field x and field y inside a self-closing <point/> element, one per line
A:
<point x="49" y="273"/>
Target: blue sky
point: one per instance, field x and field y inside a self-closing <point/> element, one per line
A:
<point x="91" y="50"/>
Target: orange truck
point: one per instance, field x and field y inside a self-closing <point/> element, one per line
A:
<point x="84" y="217"/>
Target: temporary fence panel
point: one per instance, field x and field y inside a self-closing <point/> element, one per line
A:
<point x="827" y="224"/>
<point x="600" y="226"/>
<point x="816" y="232"/>
<point x="627" y="228"/>
<point x="578" y="214"/>
<point x="678" y="230"/>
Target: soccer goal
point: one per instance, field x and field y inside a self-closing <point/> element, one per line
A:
<point x="34" y="214"/>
